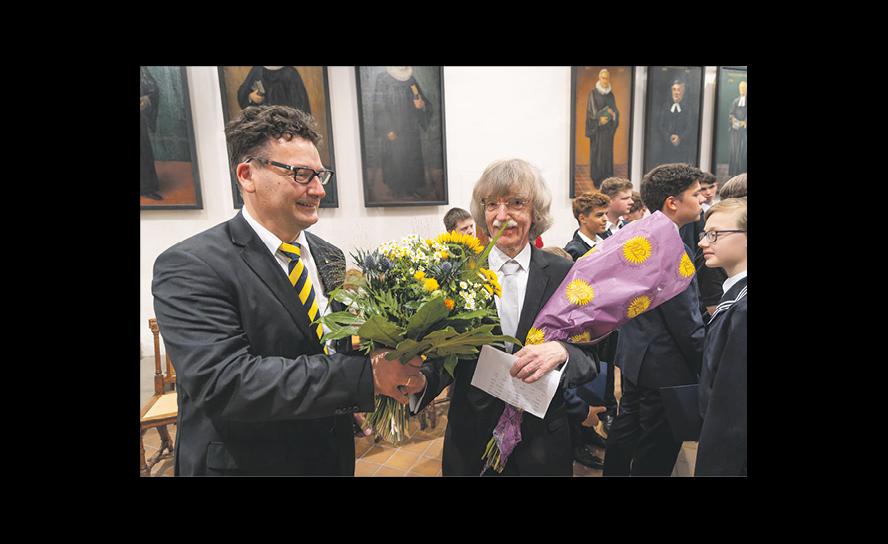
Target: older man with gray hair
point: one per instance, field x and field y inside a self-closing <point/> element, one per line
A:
<point x="513" y="193"/>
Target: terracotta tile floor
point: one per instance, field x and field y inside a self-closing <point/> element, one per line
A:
<point x="418" y="456"/>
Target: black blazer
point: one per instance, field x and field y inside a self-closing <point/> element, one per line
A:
<point x="664" y="347"/>
<point x="545" y="446"/>
<point x="256" y="393"/>
<point x="723" y="441"/>
<point x="577" y="247"/>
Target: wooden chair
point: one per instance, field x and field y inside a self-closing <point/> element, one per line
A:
<point x="161" y="409"/>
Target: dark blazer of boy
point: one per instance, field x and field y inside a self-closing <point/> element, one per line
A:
<point x="722" y="449"/>
<point x="577" y="247"/>
<point x="659" y="348"/>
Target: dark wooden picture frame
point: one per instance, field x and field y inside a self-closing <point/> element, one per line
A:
<point x="294" y="85"/>
<point x="729" y="124"/>
<point x="403" y="148"/>
<point x="593" y="140"/>
<point x="169" y="178"/>
<point x="661" y="123"/>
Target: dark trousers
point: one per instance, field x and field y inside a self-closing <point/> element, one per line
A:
<point x="640" y="442"/>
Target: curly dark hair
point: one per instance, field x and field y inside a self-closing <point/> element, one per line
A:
<point x="585" y="202"/>
<point x="667" y="180"/>
<point x="258" y="125"/>
<point x="708" y="179"/>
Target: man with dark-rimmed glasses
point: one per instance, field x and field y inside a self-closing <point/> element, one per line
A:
<point x="237" y="305"/>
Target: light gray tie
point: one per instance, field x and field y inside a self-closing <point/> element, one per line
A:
<point x="509" y="301"/>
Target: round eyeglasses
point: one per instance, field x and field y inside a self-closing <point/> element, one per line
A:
<point x="712" y="236"/>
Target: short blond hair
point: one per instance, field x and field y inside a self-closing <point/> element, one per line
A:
<point x="736" y="205"/>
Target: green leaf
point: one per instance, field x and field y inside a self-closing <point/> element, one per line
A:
<point x="450" y="364"/>
<point x="382" y="331"/>
<point x="426" y="317"/>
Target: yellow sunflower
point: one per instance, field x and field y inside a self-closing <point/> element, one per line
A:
<point x="638" y="305"/>
<point x="579" y="292"/>
<point x="582" y="337"/>
<point x="457" y="237"/>
<point x="686" y="267"/>
<point x="535" y="336"/>
<point x="637" y="250"/>
<point x="490" y="278"/>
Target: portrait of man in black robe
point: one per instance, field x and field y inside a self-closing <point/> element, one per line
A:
<point x="737" y="118"/>
<point x="602" y="120"/>
<point x="274" y="86"/>
<point x="401" y="112"/>
<point x="148" y="100"/>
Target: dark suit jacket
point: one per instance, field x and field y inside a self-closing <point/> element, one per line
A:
<point x="723" y="444"/>
<point x="256" y="393"/>
<point x="664" y="346"/>
<point x="577" y="247"/>
<point x="545" y="445"/>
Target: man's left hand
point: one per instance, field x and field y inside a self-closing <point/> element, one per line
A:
<point x="536" y="360"/>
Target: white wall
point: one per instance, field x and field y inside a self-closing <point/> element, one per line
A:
<point x="490" y="113"/>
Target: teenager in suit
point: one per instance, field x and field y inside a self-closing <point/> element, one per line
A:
<point x="659" y="348"/>
<point x="257" y="393"/>
<point x="513" y="192"/>
<point x="722" y="449"/>
<point x="590" y="211"/>
<point x="619" y="190"/>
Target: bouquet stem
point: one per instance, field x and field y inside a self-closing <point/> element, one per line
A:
<point x="389" y="420"/>
<point x="491" y="457"/>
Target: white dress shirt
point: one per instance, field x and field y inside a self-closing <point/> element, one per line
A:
<point x="496" y="260"/>
<point x="675" y="106"/>
<point x="273" y="243"/>
<point x="730" y="282"/>
<point x="589" y="241"/>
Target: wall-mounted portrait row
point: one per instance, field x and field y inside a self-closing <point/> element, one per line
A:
<point x="402" y="132"/>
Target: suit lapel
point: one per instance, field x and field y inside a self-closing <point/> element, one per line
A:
<point x="255" y="254"/>
<point x="537" y="280"/>
<point x="736" y="292"/>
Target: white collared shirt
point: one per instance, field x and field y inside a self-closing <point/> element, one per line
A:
<point x="730" y="282"/>
<point x="497" y="259"/>
<point x="675" y="106"/>
<point x="590" y="242"/>
<point x="273" y="243"/>
<point x="742" y="102"/>
<point x="613" y="227"/>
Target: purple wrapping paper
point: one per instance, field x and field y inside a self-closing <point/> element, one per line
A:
<point x="640" y="267"/>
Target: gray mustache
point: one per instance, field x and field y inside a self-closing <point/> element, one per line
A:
<point x="497" y="224"/>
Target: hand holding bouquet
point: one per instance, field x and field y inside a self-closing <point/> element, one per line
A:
<point x="431" y="299"/>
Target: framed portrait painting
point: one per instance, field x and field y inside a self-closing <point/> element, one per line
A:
<point x="302" y="87"/>
<point x="401" y="117"/>
<point x="601" y="125"/>
<point x="729" y="130"/>
<point x="673" y="113"/>
<point x="168" y="177"/>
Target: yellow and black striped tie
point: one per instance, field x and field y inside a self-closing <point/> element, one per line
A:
<point x="302" y="283"/>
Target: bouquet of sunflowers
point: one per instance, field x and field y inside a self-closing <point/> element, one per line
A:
<point x="433" y="298"/>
